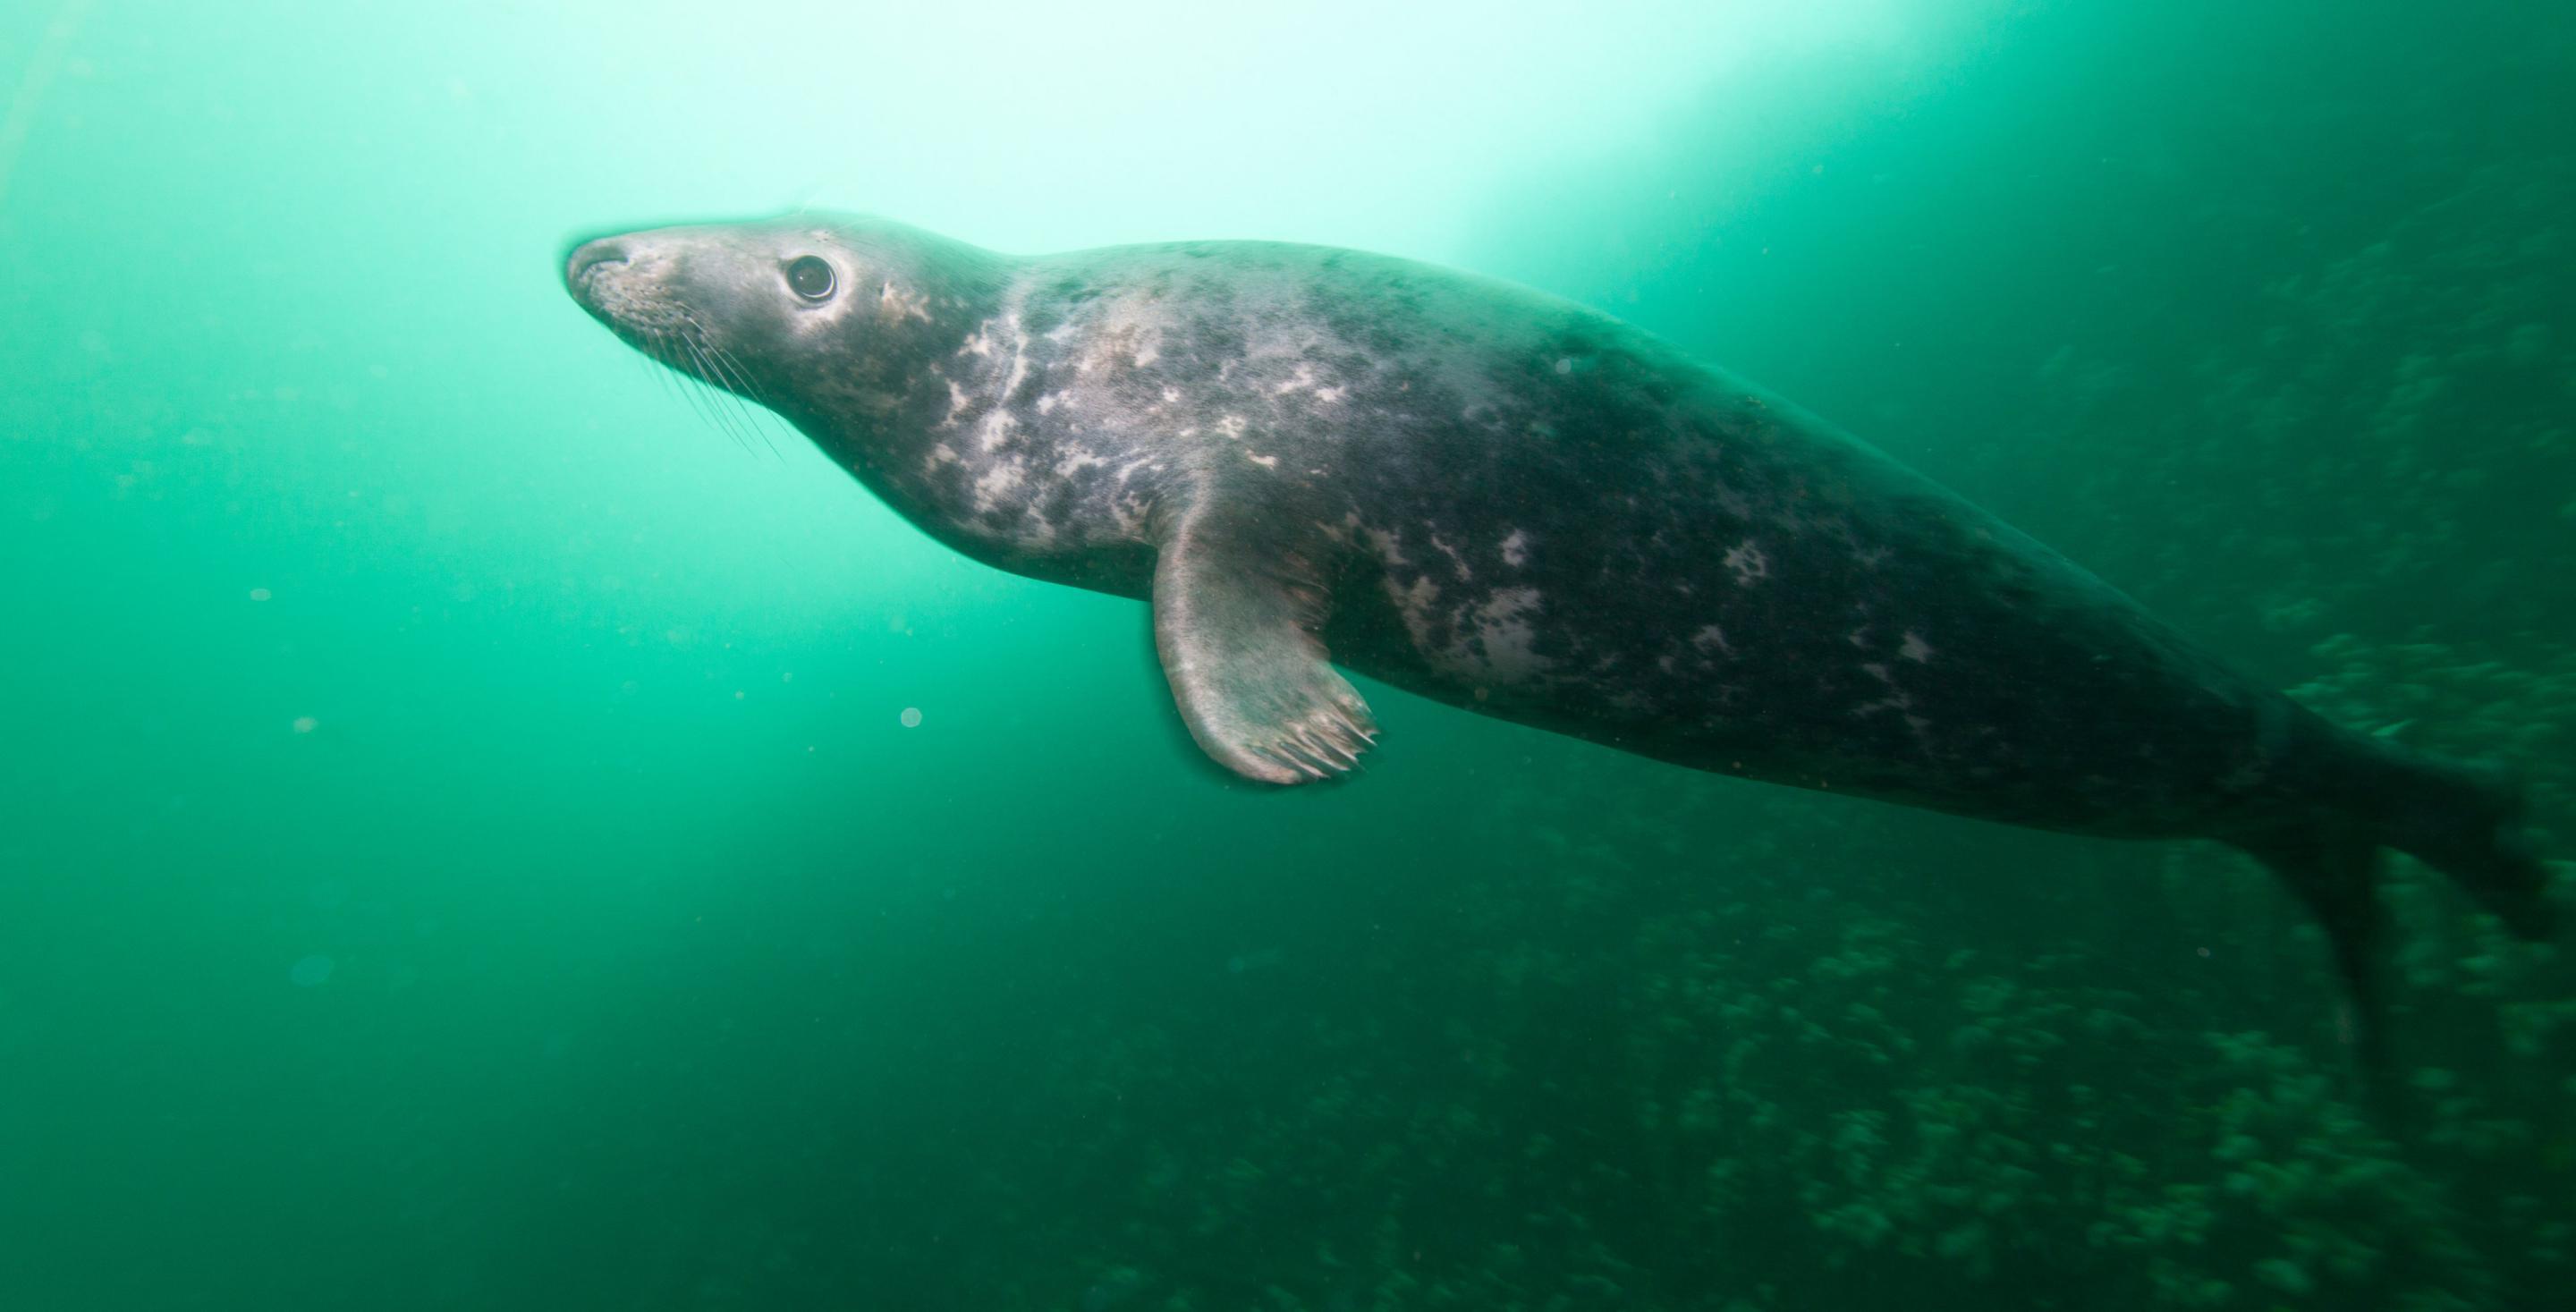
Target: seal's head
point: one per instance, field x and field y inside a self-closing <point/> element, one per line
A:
<point x="816" y="320"/>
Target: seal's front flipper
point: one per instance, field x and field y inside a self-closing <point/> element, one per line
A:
<point x="1236" y="622"/>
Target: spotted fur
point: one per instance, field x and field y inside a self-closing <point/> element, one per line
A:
<point x="1516" y="505"/>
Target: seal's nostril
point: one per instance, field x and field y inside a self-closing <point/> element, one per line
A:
<point x="591" y="255"/>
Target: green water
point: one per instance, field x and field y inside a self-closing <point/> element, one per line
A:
<point x="462" y="846"/>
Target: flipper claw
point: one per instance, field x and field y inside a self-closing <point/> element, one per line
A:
<point x="1237" y="619"/>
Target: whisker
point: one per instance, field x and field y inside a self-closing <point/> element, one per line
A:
<point x="751" y="408"/>
<point x="710" y="379"/>
<point x="724" y="381"/>
<point x="697" y="397"/>
<point x="718" y="401"/>
<point x="743" y="376"/>
<point x="661" y="370"/>
<point x="769" y="411"/>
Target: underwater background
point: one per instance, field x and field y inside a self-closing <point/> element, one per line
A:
<point x="471" y="835"/>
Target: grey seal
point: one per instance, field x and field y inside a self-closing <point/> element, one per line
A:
<point x="1304" y="456"/>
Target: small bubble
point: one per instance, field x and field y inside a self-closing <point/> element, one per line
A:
<point x="306" y="724"/>
<point x="911" y="717"/>
<point x="259" y="594"/>
<point x="311" y="971"/>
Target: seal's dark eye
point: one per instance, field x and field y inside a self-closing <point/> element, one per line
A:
<point x="811" y="277"/>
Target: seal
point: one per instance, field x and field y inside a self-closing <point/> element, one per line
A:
<point x="1523" y="507"/>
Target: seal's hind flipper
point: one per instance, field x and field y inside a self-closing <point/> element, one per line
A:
<point x="2336" y="875"/>
<point x="2465" y="819"/>
<point x="1237" y="619"/>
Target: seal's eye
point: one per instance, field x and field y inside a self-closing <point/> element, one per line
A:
<point x="811" y="277"/>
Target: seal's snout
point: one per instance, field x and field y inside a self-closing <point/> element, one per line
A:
<point x="591" y="255"/>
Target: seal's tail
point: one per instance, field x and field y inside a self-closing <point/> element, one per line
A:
<point x="2463" y="820"/>
<point x="2466" y="821"/>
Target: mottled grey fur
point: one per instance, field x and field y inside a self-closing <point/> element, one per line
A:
<point x="1521" y="506"/>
